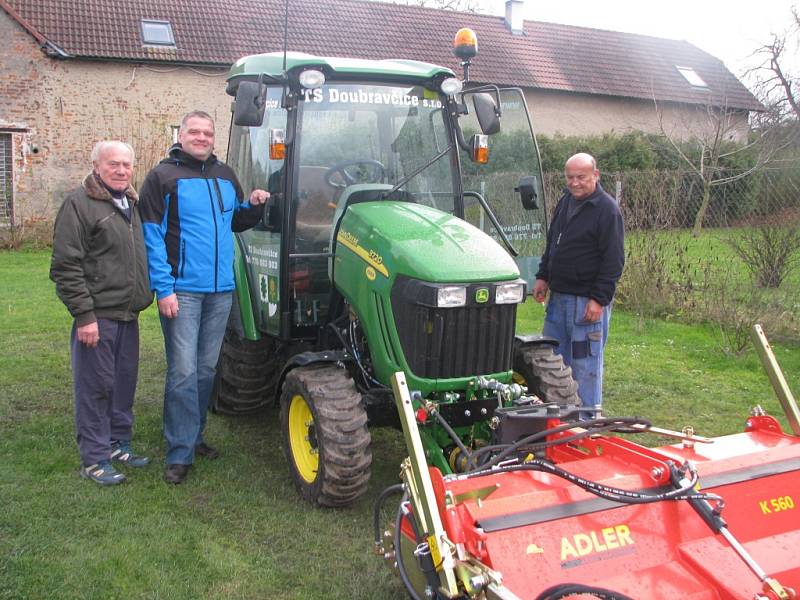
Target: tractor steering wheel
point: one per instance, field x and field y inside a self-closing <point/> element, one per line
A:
<point x="369" y="171"/>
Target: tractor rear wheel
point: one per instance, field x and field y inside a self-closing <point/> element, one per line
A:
<point x="544" y="373"/>
<point x="325" y="435"/>
<point x="246" y="374"/>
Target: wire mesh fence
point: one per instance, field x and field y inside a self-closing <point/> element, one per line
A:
<point x="671" y="199"/>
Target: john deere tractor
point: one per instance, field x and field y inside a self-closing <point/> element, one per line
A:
<point x="404" y="227"/>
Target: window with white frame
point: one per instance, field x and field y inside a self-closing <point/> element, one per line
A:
<point x="6" y="180"/>
<point x="690" y="75"/>
<point x="157" y="33"/>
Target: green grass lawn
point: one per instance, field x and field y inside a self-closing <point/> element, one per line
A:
<point x="236" y="528"/>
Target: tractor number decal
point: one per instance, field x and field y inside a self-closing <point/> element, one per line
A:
<point x="580" y="548"/>
<point x="773" y="505"/>
<point x="372" y="258"/>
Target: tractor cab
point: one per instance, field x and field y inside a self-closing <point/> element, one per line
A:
<point x="323" y="134"/>
<point x="404" y="226"/>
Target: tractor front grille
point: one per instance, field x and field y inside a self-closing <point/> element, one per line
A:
<point x="439" y="343"/>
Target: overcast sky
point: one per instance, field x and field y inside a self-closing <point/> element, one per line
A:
<point x="730" y="30"/>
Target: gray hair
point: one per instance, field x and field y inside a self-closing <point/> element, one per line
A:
<point x="583" y="157"/>
<point x="101" y="147"/>
<point x="200" y="114"/>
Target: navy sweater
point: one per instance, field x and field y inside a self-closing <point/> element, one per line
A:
<point x="585" y="254"/>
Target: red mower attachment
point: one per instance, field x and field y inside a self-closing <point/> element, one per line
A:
<point x="576" y="512"/>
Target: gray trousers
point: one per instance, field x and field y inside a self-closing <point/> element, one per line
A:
<point x="104" y="379"/>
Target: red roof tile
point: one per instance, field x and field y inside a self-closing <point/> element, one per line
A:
<point x="549" y="56"/>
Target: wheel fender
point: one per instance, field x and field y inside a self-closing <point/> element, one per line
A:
<point x="521" y="341"/>
<point x="308" y="358"/>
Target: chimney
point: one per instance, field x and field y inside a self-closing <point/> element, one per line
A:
<point x="514" y="16"/>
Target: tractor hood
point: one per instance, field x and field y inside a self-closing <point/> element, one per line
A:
<point x="424" y="243"/>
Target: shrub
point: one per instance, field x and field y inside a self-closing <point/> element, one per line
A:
<point x="769" y="251"/>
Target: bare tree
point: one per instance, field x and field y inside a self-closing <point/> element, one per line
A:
<point x="714" y="145"/>
<point x="774" y="78"/>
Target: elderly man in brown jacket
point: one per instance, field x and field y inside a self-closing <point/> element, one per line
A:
<point x="99" y="267"/>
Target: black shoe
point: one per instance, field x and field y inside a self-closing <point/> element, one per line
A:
<point x="176" y="473"/>
<point x="206" y="451"/>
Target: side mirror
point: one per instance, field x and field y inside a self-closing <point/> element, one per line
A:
<point x="529" y="189"/>
<point x="271" y="213"/>
<point x="250" y="103"/>
<point x="486" y="111"/>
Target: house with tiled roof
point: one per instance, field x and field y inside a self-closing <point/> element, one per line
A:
<point x="75" y="71"/>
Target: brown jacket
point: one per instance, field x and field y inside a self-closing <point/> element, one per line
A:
<point x="99" y="263"/>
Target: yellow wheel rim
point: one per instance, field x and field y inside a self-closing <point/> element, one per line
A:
<point x="303" y="439"/>
<point x="518" y="378"/>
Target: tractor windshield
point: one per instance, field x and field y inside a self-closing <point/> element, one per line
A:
<point x="357" y="137"/>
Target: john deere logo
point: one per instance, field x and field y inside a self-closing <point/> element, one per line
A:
<point x="481" y="295"/>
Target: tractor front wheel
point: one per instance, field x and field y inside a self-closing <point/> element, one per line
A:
<point x="544" y="373"/>
<point x="325" y="435"/>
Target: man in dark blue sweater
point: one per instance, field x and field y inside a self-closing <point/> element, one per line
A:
<point x="580" y="267"/>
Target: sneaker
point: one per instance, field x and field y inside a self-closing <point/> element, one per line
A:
<point x="176" y="473"/>
<point x="102" y="473"/>
<point x="121" y="452"/>
<point x="206" y="451"/>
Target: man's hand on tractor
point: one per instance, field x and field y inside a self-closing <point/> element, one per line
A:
<point x="89" y="335"/>
<point x="258" y="197"/>
<point x="168" y="306"/>
<point x="540" y="290"/>
<point x="594" y="311"/>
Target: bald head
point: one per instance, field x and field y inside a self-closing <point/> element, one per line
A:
<point x="582" y="175"/>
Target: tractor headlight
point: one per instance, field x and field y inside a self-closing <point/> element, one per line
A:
<point x="451" y="86"/>
<point x="509" y="293"/>
<point x="312" y="79"/>
<point x="451" y="296"/>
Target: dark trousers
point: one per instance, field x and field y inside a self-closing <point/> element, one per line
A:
<point x="104" y="379"/>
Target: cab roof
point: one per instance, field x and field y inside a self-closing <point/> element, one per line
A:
<point x="250" y="67"/>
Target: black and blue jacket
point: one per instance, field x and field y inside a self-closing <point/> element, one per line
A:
<point x="585" y="253"/>
<point x="189" y="210"/>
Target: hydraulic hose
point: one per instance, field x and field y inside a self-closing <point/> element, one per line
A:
<point x="401" y="567"/>
<point x="397" y="488"/>
<point x="593" y="427"/>
<point x="563" y="590"/>
<point x="604" y="491"/>
<point x="453" y="435"/>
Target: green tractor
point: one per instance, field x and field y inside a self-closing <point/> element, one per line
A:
<point x="393" y="241"/>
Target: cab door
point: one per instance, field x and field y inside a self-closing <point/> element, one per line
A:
<point x="513" y="154"/>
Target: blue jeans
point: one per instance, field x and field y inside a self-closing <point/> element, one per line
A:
<point x="192" y="341"/>
<point x="581" y="345"/>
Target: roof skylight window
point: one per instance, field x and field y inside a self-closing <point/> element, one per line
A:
<point x="690" y="75"/>
<point x="157" y="33"/>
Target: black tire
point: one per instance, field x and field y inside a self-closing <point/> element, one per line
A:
<point x="544" y="373"/>
<point x="325" y="435"/>
<point x="247" y="372"/>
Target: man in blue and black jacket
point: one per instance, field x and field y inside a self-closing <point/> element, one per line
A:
<point x="190" y="205"/>
<point x="580" y="267"/>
